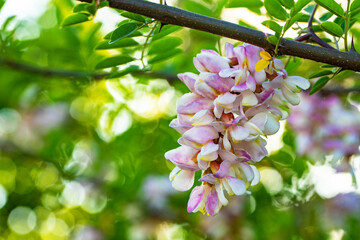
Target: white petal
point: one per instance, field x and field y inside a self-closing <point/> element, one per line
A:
<point x="239" y="133"/>
<point x="298" y="81"/>
<point x="220" y="191"/>
<point x="226" y="143"/>
<point x="249" y="98"/>
<point x="293" y="98"/>
<point x="209" y="151"/>
<point x="184" y="180"/>
<point x="238" y="186"/>
<point x="247" y="171"/>
<point x="204" y="117"/>
<point x="272" y="125"/>
<point x="256" y="179"/>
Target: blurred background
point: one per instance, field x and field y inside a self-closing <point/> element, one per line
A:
<point x="82" y="157"/>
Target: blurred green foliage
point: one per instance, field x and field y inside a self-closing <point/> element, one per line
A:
<point x="81" y="157"/>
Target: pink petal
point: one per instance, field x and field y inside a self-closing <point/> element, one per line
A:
<point x="229" y="72"/>
<point x="209" y="152"/>
<point x="226" y="99"/>
<point x="251" y="83"/>
<point x="181" y="128"/>
<point x="279" y="64"/>
<point x="223" y="170"/>
<point x="203" y="117"/>
<point x="209" y="178"/>
<point x="260" y="76"/>
<point x="237" y="186"/>
<point x="202" y="134"/>
<point x="212" y="202"/>
<point x="204" y="90"/>
<point x="211" y="62"/>
<point x="191" y="103"/>
<point x="219" y="84"/>
<point x="183" y="157"/>
<point x="229" y="53"/>
<point x="238" y="133"/>
<point x="189" y="79"/>
<point x="203" y="165"/>
<point x="240" y="87"/>
<point x="196" y="196"/>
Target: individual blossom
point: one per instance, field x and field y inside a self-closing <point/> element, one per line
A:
<point x="233" y="105"/>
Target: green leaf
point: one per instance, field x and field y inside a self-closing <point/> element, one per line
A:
<point x="320" y="74"/>
<point x="166" y="30"/>
<point x="326" y="16"/>
<point x="164" y="56"/>
<point x="104" y="4"/>
<point x="114" y="61"/>
<point x="319" y="84"/>
<point x="292" y="20"/>
<point x="197" y="7"/>
<point x="2" y="2"/>
<point x="299" y="5"/>
<point x="355" y="5"/>
<point x="85" y="8"/>
<point x="327" y="66"/>
<point x="75" y="19"/>
<point x="133" y="16"/>
<point x="272" y="25"/>
<point x="124" y="72"/>
<point x="245" y="4"/>
<point x="287" y="3"/>
<point x="127" y="42"/>
<point x="163" y="45"/>
<point x="245" y="24"/>
<point x="303" y="17"/>
<point x="134" y="34"/>
<point x="272" y="39"/>
<point x="331" y="6"/>
<point x="332" y="28"/>
<point x="123" y="31"/>
<point x="274" y="8"/>
<point x="285" y="156"/>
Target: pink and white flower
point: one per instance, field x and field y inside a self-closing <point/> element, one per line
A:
<point x="224" y="120"/>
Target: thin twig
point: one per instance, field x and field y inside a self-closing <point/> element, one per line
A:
<point x="146" y="43"/>
<point x="311" y="34"/>
<point x="78" y="74"/>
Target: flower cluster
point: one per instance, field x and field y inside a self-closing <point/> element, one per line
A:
<point x="324" y="126"/>
<point x="234" y="102"/>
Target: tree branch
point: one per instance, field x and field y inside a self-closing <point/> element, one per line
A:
<point x="175" y="16"/>
<point x="78" y="74"/>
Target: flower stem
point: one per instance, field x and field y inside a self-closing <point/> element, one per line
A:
<point x="347" y="25"/>
<point x="146" y="43"/>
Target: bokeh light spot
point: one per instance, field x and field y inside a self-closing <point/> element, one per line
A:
<point x="22" y="220"/>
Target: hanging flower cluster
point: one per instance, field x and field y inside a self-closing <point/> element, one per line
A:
<point x="324" y="126"/>
<point x="234" y="102"/>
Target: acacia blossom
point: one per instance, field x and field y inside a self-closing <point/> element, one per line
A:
<point x="232" y="106"/>
<point x="324" y="126"/>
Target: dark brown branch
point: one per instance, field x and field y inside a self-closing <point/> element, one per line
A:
<point x="175" y="16"/>
<point x="311" y="34"/>
<point x="78" y="74"/>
